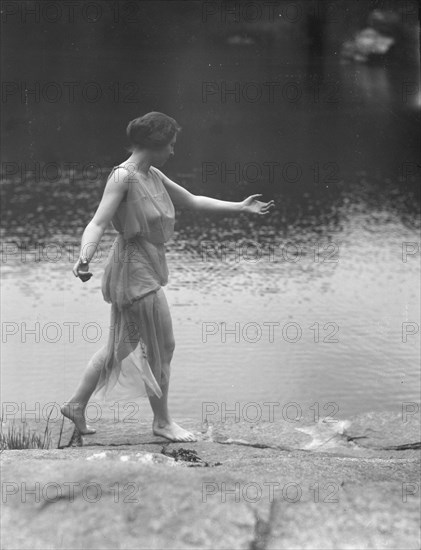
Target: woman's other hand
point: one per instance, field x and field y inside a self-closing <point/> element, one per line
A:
<point x="251" y="204"/>
<point x="81" y="270"/>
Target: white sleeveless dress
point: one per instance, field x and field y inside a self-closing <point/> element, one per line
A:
<point x="135" y="270"/>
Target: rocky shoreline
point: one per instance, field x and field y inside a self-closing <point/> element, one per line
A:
<point x="258" y="486"/>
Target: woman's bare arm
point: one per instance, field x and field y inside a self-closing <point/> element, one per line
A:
<point x="114" y="192"/>
<point x="182" y="197"/>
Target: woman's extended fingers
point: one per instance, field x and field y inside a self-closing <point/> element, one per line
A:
<point x="265" y="209"/>
<point x="259" y="207"/>
<point x="268" y="205"/>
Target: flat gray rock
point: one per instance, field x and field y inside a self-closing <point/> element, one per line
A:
<point x="260" y="486"/>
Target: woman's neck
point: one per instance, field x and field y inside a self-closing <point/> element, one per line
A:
<point x="141" y="161"/>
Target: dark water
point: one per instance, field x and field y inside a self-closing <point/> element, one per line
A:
<point x="336" y="146"/>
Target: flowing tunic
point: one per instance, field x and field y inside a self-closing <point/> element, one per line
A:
<point x="135" y="270"/>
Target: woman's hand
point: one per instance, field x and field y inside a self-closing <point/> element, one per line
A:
<point x="251" y="204"/>
<point x="81" y="270"/>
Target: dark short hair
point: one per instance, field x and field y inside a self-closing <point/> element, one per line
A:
<point x="152" y="131"/>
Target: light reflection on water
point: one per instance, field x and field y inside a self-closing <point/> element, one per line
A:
<point x="361" y="301"/>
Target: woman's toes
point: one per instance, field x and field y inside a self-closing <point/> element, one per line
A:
<point x="88" y="431"/>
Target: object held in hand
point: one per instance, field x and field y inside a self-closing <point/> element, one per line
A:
<point x="84" y="268"/>
<point x="85" y="277"/>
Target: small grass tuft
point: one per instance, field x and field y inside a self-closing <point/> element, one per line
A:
<point x="21" y="437"/>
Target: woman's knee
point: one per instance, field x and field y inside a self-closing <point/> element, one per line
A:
<point x="97" y="361"/>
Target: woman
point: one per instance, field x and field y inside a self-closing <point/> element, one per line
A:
<point x="138" y="198"/>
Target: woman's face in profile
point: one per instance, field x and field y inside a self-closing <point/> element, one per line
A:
<point x="161" y="156"/>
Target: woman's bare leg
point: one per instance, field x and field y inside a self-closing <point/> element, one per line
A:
<point x="162" y="424"/>
<point x="74" y="408"/>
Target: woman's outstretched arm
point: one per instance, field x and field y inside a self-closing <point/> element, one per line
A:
<point x="182" y="197"/>
<point x="250" y="204"/>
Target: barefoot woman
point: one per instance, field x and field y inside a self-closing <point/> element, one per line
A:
<point x="138" y="200"/>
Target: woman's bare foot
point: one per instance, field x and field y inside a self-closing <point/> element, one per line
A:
<point x="76" y="413"/>
<point x="172" y="431"/>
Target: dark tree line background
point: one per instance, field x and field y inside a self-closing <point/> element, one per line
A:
<point x="144" y="56"/>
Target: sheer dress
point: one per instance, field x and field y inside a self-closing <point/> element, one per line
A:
<point x="135" y="271"/>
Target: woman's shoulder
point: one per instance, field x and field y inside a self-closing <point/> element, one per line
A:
<point x="127" y="168"/>
<point x="157" y="172"/>
<point x="122" y="173"/>
<point x="119" y="180"/>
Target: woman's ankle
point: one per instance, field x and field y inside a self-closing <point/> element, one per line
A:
<point x="161" y="421"/>
<point x="74" y="405"/>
